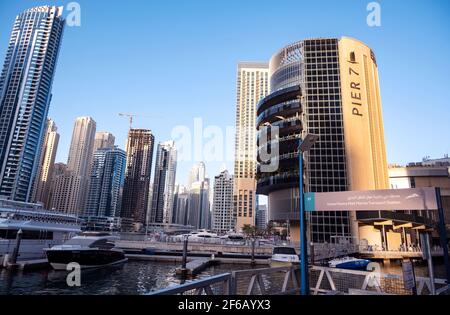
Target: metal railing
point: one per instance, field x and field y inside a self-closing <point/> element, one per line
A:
<point x="272" y="281"/>
<point x="286" y="280"/>
<point x="214" y="285"/>
<point x="325" y="279"/>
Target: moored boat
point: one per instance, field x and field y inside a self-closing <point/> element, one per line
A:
<point x="89" y="250"/>
<point x="39" y="229"/>
<point x="283" y="256"/>
<point x="351" y="263"/>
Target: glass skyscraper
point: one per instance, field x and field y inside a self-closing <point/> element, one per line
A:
<point x="106" y="183"/>
<point x="164" y="183"/>
<point x="25" y="94"/>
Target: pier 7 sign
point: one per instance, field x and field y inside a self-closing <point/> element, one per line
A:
<point x="373" y="200"/>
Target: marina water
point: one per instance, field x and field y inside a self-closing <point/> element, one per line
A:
<point x="133" y="278"/>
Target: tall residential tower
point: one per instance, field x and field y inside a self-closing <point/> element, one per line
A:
<point x="252" y="86"/>
<point x="42" y="184"/>
<point x="71" y="188"/>
<point x="106" y="183"/>
<point x="222" y="208"/>
<point x="164" y="183"/>
<point x="25" y="94"/>
<point x="135" y="200"/>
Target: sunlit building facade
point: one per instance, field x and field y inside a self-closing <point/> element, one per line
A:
<point x="42" y="184"/>
<point x="25" y="95"/>
<point x="328" y="87"/>
<point x="252" y="86"/>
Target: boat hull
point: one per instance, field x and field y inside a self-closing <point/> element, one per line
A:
<point x="87" y="259"/>
<point x="278" y="263"/>
<point x="354" y="265"/>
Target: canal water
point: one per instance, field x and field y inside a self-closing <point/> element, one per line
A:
<point x="133" y="278"/>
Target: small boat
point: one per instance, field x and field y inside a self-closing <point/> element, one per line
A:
<point x="89" y="250"/>
<point x="351" y="263"/>
<point x="283" y="256"/>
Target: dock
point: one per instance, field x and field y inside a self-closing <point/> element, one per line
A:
<point x="196" y="266"/>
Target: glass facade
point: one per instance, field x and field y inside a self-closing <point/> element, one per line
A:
<point x="106" y="183"/>
<point x="305" y="98"/>
<point x="25" y="94"/>
<point x="325" y="162"/>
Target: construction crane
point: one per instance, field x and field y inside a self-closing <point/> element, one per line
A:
<point x="131" y="116"/>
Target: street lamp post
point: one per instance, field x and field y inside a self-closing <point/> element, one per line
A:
<point x="304" y="146"/>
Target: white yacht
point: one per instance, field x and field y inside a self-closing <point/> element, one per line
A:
<point x="88" y="249"/>
<point x="40" y="229"/>
<point x="283" y="256"/>
<point x="199" y="236"/>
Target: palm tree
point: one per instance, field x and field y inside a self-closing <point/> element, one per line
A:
<point x="249" y="230"/>
<point x="269" y="228"/>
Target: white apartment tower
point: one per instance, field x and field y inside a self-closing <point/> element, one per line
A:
<point x="222" y="209"/>
<point x="72" y="187"/>
<point x="252" y="86"/>
<point x="42" y="184"/>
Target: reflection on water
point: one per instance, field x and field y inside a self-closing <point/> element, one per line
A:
<point x="131" y="278"/>
<point x="134" y="277"/>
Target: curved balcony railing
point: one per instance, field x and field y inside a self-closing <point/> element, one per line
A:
<point x="278" y="97"/>
<point x="287" y="108"/>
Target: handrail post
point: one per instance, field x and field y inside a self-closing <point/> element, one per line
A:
<point x="233" y="284"/>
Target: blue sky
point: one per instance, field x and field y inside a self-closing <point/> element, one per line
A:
<point x="176" y="60"/>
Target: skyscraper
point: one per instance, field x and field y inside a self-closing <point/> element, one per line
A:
<point x="261" y="217"/>
<point x="43" y="179"/>
<point x="139" y="150"/>
<point x="25" y="94"/>
<point x="328" y="87"/>
<point x="103" y="140"/>
<point x="66" y="192"/>
<point x="72" y="187"/>
<point x="180" y="205"/>
<point x="106" y="183"/>
<point x="252" y="85"/>
<point x="196" y="174"/>
<point x="164" y="183"/>
<point x="59" y="170"/>
<point x="199" y="214"/>
<point x="222" y="209"/>
<point x="82" y="146"/>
